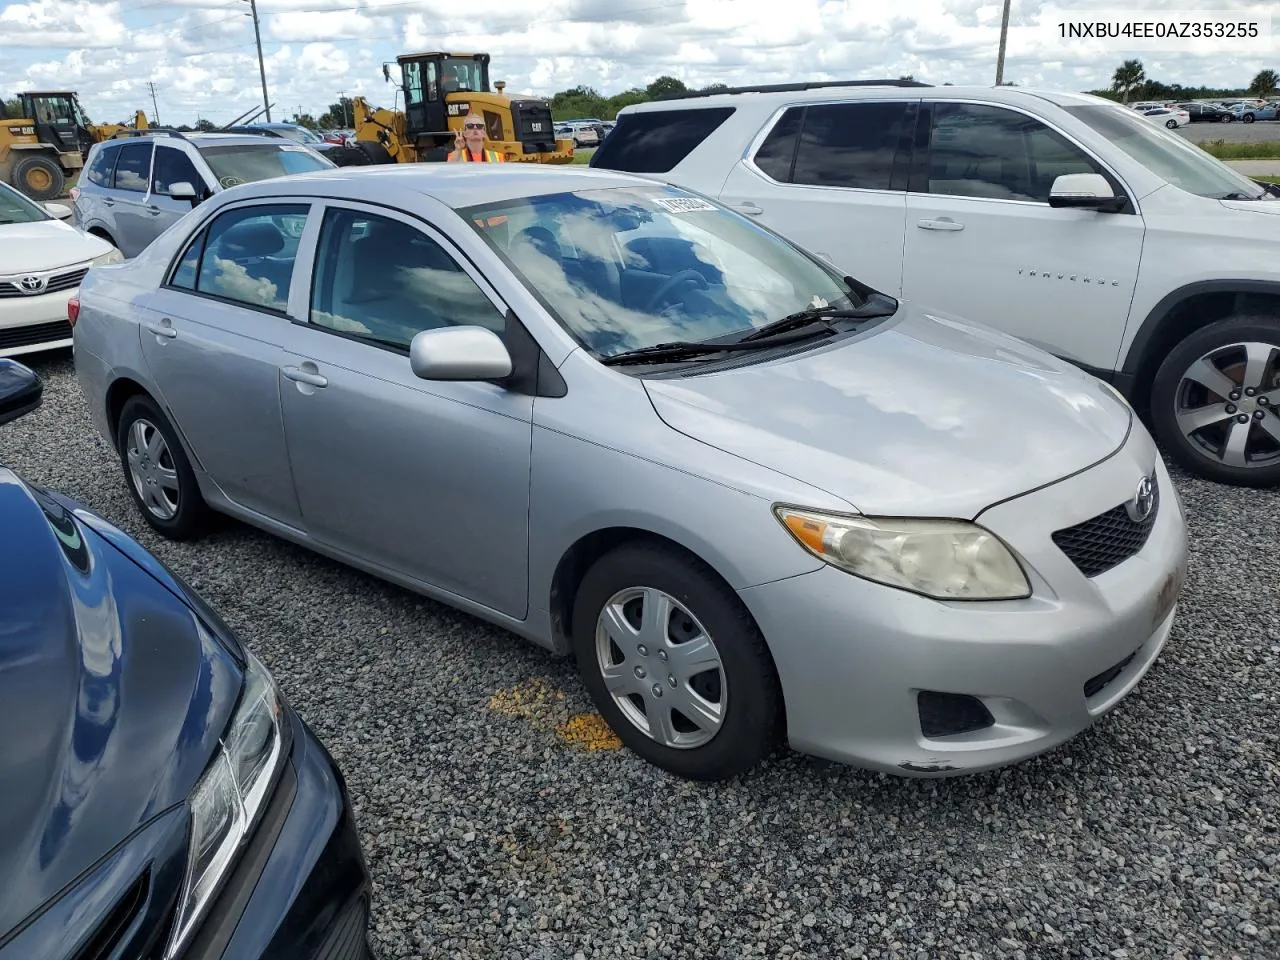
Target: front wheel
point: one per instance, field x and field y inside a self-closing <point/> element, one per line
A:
<point x="39" y="178"/>
<point x="1248" y="118"/>
<point x="675" y="663"/>
<point x="1215" y="401"/>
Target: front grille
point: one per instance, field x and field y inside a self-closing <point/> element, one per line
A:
<point x="67" y="280"/>
<point x="947" y="714"/>
<point x="36" y="333"/>
<point x="1109" y="539"/>
<point x="532" y="121"/>
<point x="1095" y="685"/>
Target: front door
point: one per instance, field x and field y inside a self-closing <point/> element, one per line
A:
<point x="832" y="178"/>
<point x="427" y="479"/>
<point x="171" y="166"/>
<point x="211" y="337"/>
<point x="127" y="218"/>
<point x="982" y="242"/>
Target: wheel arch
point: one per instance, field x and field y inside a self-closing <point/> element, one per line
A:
<point x="1185" y="310"/>
<point x="118" y="394"/>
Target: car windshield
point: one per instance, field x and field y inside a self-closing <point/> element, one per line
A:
<point x="1168" y="155"/>
<point x="15" y="208"/>
<point x="626" y="268"/>
<point x="240" y="163"/>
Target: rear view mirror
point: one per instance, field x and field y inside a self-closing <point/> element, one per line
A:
<point x="20" y="390"/>
<point x="58" y="210"/>
<point x="459" y="353"/>
<point x="183" y="190"/>
<point x="1089" y="191"/>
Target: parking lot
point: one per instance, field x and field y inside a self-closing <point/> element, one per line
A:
<point x="1260" y="132"/>
<point x="499" y="823"/>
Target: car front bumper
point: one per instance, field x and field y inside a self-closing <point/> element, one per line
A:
<point x="853" y="656"/>
<point x="301" y="886"/>
<point x="31" y="324"/>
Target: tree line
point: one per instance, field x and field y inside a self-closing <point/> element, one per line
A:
<point x="1130" y="81"/>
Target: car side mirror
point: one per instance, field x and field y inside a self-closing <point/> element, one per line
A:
<point x="20" y="390"/>
<point x="459" y="353"/>
<point x="184" y="190"/>
<point x="58" y="210"/>
<point x="1089" y="191"/>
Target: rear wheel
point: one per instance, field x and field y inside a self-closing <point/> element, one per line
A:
<point x="1171" y="124"/>
<point x="375" y="152"/>
<point x="1215" y="401"/>
<point x="39" y="178"/>
<point x="675" y="663"/>
<point x="158" y="473"/>
<point x="349" y="157"/>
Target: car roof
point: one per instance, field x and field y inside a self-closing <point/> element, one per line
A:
<point x="455" y="185"/>
<point x="819" y="92"/>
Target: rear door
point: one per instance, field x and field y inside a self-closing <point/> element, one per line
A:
<point x="126" y="200"/>
<point x="832" y="178"/>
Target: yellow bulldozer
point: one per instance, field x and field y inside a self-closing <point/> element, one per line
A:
<point x="47" y="142"/>
<point x="439" y="90"/>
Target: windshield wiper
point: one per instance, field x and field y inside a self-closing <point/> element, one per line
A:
<point x="1238" y="196"/>
<point x="877" y="305"/>
<point x="675" y="350"/>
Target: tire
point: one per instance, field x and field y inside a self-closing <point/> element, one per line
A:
<point x="349" y="156"/>
<point x="1205" y="450"/>
<point x="375" y="152"/>
<point x="191" y="516"/>
<point x="1248" y="118"/>
<point x="744" y="685"/>
<point x="39" y="178"/>
<point x="1171" y="124"/>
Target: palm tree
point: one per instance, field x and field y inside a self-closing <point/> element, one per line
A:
<point x="1127" y="76"/>
<point x="1264" y="84"/>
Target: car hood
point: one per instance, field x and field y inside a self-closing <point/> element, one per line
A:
<point x="925" y="415"/>
<point x="114" y="697"/>
<point x="45" y="245"/>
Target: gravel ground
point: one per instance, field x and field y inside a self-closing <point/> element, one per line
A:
<point x="1155" y="834"/>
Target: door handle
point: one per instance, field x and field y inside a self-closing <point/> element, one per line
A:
<point x="749" y="208"/>
<point x="108" y="202"/>
<point x="153" y="209"/>
<point x="162" y="329"/>
<point x="298" y="375"/>
<point x="942" y="223"/>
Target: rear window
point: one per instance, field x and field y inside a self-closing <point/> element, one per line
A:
<point x="655" y="141"/>
<point x="234" y="164"/>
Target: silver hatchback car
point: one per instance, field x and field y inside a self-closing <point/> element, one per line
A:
<point x="753" y="497"/>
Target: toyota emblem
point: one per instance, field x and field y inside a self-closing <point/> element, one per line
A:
<point x="32" y="284"/>
<point x="1143" y="502"/>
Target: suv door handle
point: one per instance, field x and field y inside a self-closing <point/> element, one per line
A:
<point x="942" y="223"/>
<point x="108" y="202"/>
<point x="298" y="375"/>
<point x="153" y="209"/>
<point x="162" y="329"/>
<point x="748" y="207"/>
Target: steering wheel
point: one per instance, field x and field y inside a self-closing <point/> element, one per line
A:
<point x="664" y="291"/>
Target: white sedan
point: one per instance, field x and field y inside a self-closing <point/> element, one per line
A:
<point x="42" y="261"/>
<point x="1168" y="117"/>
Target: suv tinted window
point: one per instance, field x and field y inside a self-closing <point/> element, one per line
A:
<point x="387" y="281"/>
<point x="850" y="145"/>
<point x="994" y="153"/>
<point x="248" y="255"/>
<point x="654" y="142"/>
<point x="778" y="151"/>
<point x="173" y="166"/>
<point x="99" y="170"/>
<point x="134" y="167"/>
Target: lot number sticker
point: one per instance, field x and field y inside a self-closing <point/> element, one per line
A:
<point x="684" y="204"/>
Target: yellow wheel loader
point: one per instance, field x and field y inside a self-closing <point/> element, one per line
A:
<point x="439" y="90"/>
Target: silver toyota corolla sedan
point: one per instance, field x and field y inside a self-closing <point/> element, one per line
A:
<point x="755" y="498"/>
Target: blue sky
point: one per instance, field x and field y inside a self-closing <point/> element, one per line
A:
<point x="201" y="56"/>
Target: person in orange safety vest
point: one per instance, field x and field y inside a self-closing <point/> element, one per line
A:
<point x="473" y="148"/>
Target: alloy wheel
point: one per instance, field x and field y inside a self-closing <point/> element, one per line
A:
<point x="151" y="467"/>
<point x="1228" y="404"/>
<point x="661" y="667"/>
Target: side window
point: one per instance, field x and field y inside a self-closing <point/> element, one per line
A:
<point x="249" y="253"/>
<point x="776" y="154"/>
<point x="184" y="275"/>
<point x="99" y="171"/>
<point x="850" y="144"/>
<point x="385" y="280"/>
<point x="656" y="141"/>
<point x="993" y="153"/>
<point x="134" y="167"/>
<point x="173" y="166"/>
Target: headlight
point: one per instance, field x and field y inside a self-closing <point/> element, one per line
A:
<point x="943" y="559"/>
<point x="228" y="801"/>
<point x="111" y="256"/>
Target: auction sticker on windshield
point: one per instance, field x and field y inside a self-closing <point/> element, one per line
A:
<point x="684" y="204"/>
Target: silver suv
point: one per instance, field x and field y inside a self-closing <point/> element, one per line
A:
<point x="136" y="187"/>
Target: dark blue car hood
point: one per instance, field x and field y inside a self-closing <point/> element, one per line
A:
<point x="113" y="692"/>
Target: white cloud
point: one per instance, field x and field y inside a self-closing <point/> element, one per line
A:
<point x="201" y="54"/>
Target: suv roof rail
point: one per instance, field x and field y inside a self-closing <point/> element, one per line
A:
<point x="789" y="87"/>
<point x="149" y="131"/>
<point x="254" y="130"/>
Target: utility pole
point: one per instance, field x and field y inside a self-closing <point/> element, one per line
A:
<point x="1004" y="35"/>
<point x="262" y="70"/>
<point x="342" y="102"/>
<point x="155" y="107"/>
